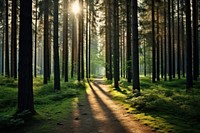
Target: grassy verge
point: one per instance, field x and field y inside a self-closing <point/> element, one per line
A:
<point x="51" y="107"/>
<point x="165" y="106"/>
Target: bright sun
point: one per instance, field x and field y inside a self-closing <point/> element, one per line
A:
<point x="75" y="7"/>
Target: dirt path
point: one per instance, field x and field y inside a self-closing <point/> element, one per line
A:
<point x="98" y="113"/>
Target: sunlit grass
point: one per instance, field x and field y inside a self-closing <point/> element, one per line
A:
<point x="51" y="107"/>
<point x="165" y="106"/>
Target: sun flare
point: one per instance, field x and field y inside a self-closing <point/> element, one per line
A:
<point x="75" y="7"/>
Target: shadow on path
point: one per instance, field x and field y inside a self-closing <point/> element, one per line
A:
<point x="96" y="112"/>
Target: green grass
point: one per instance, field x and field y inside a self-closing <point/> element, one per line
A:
<point x="51" y="107"/>
<point x="165" y="106"/>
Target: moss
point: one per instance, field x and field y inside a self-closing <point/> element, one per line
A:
<point x="164" y="105"/>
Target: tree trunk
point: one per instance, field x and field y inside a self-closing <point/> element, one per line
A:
<point x="182" y="39"/>
<point x="145" y="65"/>
<point x="165" y="41"/>
<point x="73" y="47"/>
<point x="36" y="21"/>
<point x="46" y="28"/>
<point x="169" y="44"/>
<point x="65" y="40"/>
<point x="56" y="53"/>
<point x="89" y="58"/>
<point x="25" y="82"/>
<point x="3" y="51"/>
<point x="110" y="41"/>
<point x="158" y="47"/>
<point x="178" y="40"/>
<point x="86" y="39"/>
<point x="189" y="46"/>
<point x="14" y="40"/>
<point x="195" y="40"/>
<point x="135" y="47"/>
<point x="173" y="42"/>
<point x="82" y="45"/>
<point x="153" y="45"/>
<point x="115" y="44"/>
<point x="7" y="66"/>
<point x="128" y="41"/>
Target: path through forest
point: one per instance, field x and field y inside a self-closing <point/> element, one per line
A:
<point x="98" y="113"/>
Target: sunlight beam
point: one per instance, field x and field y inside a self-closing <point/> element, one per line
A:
<point x="75" y="7"/>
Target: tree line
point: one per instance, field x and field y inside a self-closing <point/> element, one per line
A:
<point x="157" y="38"/>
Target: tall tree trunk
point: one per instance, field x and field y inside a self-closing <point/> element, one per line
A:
<point x="36" y="22"/>
<point x="82" y="41"/>
<point x="110" y="41"/>
<point x="182" y="38"/>
<point x="158" y="47"/>
<point x="79" y="49"/>
<point x="165" y="41"/>
<point x="89" y="49"/>
<point x="65" y="40"/>
<point x="173" y="42"/>
<point x="135" y="47"/>
<point x="189" y="46"/>
<point x="169" y="43"/>
<point x="128" y="41"/>
<point x="25" y="82"/>
<point x="56" y="53"/>
<point x="145" y="65"/>
<point x="7" y="66"/>
<point x="195" y="40"/>
<point x="86" y="39"/>
<point x="178" y="41"/>
<point x="46" y="28"/>
<point x="161" y="56"/>
<point x="49" y="50"/>
<point x="73" y="47"/>
<point x="115" y="44"/>
<point x="153" y="45"/>
<point x="14" y="40"/>
<point x="3" y="50"/>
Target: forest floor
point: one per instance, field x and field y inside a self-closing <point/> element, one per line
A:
<point x="96" y="112"/>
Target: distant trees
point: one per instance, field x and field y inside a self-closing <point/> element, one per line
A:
<point x="132" y="38"/>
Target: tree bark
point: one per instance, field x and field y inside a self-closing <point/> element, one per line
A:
<point x="178" y="40"/>
<point x="195" y="40"/>
<point x="14" y="40"/>
<point x="135" y="47"/>
<point x="25" y="82"/>
<point x="56" y="52"/>
<point x="169" y="44"/>
<point x="36" y="22"/>
<point x="7" y="66"/>
<point x="46" y="28"/>
<point x="128" y="41"/>
<point x="115" y="44"/>
<point x="153" y="45"/>
<point x="189" y="46"/>
<point x="165" y="41"/>
<point x="158" y="47"/>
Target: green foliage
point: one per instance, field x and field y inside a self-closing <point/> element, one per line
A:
<point x="164" y="105"/>
<point x="8" y="82"/>
<point x="50" y="106"/>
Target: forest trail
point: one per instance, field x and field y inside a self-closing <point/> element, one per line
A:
<point x="98" y="113"/>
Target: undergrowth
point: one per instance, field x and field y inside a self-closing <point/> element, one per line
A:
<point x="51" y="107"/>
<point x="165" y="105"/>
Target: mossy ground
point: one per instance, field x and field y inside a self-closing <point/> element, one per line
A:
<point x="165" y="105"/>
<point x="51" y="107"/>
